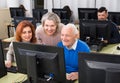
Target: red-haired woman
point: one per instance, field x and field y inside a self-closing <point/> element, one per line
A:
<point x="25" y="32"/>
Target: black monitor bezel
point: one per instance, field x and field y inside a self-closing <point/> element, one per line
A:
<point x="87" y="11"/>
<point x="97" y="57"/>
<point x="43" y="48"/>
<point x="94" y="24"/>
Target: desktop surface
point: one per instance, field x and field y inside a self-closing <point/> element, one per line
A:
<point x="13" y="78"/>
<point x="18" y="77"/>
<point x="111" y="49"/>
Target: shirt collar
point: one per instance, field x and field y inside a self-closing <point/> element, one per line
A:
<point x="74" y="45"/>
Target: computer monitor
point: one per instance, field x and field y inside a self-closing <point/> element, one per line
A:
<point x="16" y="12"/>
<point x="40" y="62"/>
<point x="87" y="13"/>
<point x="3" y="70"/>
<point x="92" y="31"/>
<point x="115" y="17"/>
<point x="99" y="68"/>
<point x="38" y="13"/>
<point x="63" y="14"/>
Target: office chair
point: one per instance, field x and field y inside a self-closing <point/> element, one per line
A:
<point x="38" y="13"/>
<point x="19" y="19"/>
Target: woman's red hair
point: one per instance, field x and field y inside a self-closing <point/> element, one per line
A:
<point x="19" y="30"/>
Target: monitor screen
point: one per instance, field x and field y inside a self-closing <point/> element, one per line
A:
<point x="115" y="17"/>
<point x="38" y="13"/>
<point x="3" y="70"/>
<point x="99" y="68"/>
<point x="62" y="14"/>
<point x="94" y="31"/>
<point x="40" y="62"/>
<point x="87" y="13"/>
<point x="16" y="12"/>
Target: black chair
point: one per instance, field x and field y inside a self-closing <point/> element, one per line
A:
<point x="19" y="19"/>
<point x="115" y="17"/>
<point x="16" y="12"/>
<point x="38" y="13"/>
<point x="63" y="14"/>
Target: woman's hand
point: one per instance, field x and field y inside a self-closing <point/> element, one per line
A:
<point x="8" y="64"/>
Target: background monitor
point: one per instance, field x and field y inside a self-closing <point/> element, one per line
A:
<point x="115" y="17"/>
<point x="16" y="12"/>
<point x="99" y="68"/>
<point x="3" y="70"/>
<point x="87" y="13"/>
<point x="38" y="13"/>
<point x="40" y="62"/>
<point x="63" y="14"/>
<point x="93" y="31"/>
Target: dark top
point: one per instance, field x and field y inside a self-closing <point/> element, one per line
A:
<point x="115" y="35"/>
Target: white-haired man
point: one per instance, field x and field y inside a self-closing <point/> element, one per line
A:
<point x="72" y="46"/>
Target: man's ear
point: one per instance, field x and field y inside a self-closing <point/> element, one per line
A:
<point x="77" y="36"/>
<point x="107" y="15"/>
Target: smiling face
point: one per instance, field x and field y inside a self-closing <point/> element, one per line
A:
<point x="50" y="27"/>
<point x="102" y="15"/>
<point x="26" y="34"/>
<point x="68" y="37"/>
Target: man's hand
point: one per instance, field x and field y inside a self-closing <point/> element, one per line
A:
<point x="72" y="76"/>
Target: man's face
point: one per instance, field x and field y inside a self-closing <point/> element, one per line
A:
<point x="102" y="15"/>
<point x="68" y="37"/>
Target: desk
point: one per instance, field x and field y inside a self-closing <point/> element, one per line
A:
<point x="9" y="39"/>
<point x="111" y="49"/>
<point x="13" y="78"/>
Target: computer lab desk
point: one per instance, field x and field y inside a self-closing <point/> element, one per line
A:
<point x="13" y="78"/>
<point x="18" y="78"/>
<point x="111" y="49"/>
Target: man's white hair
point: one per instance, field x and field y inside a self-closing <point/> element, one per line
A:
<point x="73" y="27"/>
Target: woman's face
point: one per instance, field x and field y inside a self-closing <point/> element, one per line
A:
<point x="50" y="27"/>
<point x="26" y="34"/>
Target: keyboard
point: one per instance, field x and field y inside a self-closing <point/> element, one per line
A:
<point x="12" y="69"/>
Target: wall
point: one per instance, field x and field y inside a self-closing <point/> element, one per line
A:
<point x="3" y="3"/>
<point x="5" y="19"/>
<point x="111" y="5"/>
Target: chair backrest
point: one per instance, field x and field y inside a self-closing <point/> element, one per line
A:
<point x="38" y="13"/>
<point x="19" y="19"/>
<point x="115" y="17"/>
<point x="63" y="14"/>
<point x="16" y="12"/>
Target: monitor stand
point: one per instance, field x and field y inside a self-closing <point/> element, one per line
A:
<point x="97" y="47"/>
